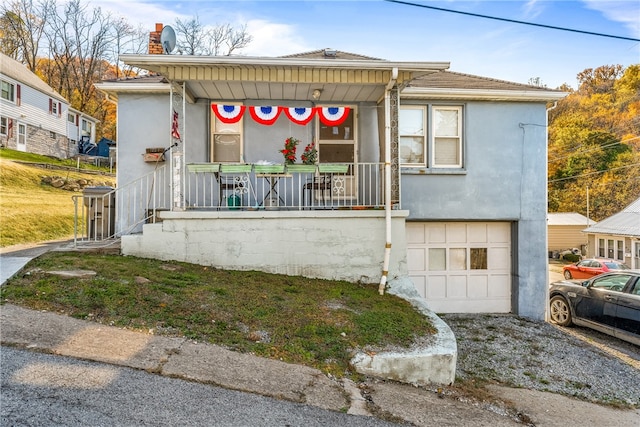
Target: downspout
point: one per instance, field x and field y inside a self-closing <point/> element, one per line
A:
<point x="387" y="179"/>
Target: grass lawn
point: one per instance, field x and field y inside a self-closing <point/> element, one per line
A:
<point x="317" y="323"/>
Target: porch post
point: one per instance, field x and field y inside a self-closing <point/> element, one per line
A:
<point x="176" y="137"/>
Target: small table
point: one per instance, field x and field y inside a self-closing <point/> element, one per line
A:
<point x="272" y="179"/>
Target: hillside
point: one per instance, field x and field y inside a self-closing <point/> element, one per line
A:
<point x="31" y="211"/>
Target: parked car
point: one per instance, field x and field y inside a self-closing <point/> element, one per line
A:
<point x="587" y="268"/>
<point x="609" y="303"/>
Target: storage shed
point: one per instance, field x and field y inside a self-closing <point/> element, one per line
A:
<point x="565" y="231"/>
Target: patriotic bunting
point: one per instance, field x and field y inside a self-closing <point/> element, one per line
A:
<point x="266" y="115"/>
<point x="333" y="116"/>
<point x="300" y="115"/>
<point x="228" y="113"/>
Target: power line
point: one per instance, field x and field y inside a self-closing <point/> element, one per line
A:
<point x="592" y="173"/>
<point x="599" y="147"/>
<point x="513" y="21"/>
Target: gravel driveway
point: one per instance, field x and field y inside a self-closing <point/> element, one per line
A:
<point x="575" y="362"/>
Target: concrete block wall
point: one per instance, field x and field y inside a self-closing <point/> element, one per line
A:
<point x="338" y="245"/>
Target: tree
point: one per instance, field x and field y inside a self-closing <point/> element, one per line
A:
<point x="193" y="38"/>
<point x="21" y="29"/>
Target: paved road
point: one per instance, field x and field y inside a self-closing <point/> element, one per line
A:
<point x="44" y="390"/>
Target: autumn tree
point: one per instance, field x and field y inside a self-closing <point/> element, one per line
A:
<point x="594" y="143"/>
<point x="22" y="26"/>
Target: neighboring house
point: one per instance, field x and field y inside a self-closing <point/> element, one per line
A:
<point x="422" y="173"/>
<point x="565" y="232"/>
<point x="81" y="130"/>
<point x="33" y="116"/>
<point x="617" y="237"/>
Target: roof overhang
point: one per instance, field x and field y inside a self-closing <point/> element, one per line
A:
<point x="482" y="94"/>
<point x="257" y="78"/>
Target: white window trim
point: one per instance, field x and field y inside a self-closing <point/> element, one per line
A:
<point x="13" y="91"/>
<point x="4" y="132"/>
<point x="213" y="133"/>
<point x="432" y="137"/>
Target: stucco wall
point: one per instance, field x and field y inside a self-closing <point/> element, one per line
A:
<point x="504" y="179"/>
<point x="342" y="245"/>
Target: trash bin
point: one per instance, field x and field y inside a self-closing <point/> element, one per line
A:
<point x="100" y="205"/>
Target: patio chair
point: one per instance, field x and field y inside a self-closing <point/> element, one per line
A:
<point x="320" y="183"/>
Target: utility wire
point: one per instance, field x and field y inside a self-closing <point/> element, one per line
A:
<point x="599" y="147"/>
<point x="592" y="173"/>
<point x="513" y="20"/>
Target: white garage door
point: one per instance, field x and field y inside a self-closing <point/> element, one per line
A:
<point x="461" y="267"/>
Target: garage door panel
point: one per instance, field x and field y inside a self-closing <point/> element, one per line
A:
<point x="415" y="233"/>
<point x="436" y="233"/>
<point x="500" y="233"/>
<point x="478" y="287"/>
<point x="416" y="257"/>
<point x="478" y="233"/>
<point x="499" y="285"/>
<point x="456" y="233"/>
<point x="436" y="287"/>
<point x="457" y="287"/>
<point x="499" y="258"/>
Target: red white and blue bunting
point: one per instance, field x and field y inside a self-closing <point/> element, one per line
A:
<point x="333" y="116"/>
<point x="268" y="115"/>
<point x="265" y="115"/>
<point x="228" y="113"/>
<point x="300" y="115"/>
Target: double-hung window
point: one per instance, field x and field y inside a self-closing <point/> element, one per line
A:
<point x="7" y="91"/>
<point x="430" y="136"/>
<point x="4" y="126"/>
<point x="226" y="141"/>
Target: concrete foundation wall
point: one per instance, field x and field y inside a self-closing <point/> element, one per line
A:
<point x="337" y="245"/>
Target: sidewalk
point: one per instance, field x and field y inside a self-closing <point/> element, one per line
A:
<point x="210" y="364"/>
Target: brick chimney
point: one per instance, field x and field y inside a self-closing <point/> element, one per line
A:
<point x="155" y="47"/>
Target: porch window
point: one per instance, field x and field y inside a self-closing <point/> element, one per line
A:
<point x="430" y="136"/>
<point x="226" y="141"/>
<point x="7" y="91"/>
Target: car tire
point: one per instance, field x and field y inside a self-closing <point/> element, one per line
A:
<point x="559" y="311"/>
<point x="567" y="275"/>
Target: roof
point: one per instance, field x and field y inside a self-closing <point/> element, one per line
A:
<point x="330" y="54"/>
<point x="20" y="73"/>
<point x="568" y="218"/>
<point x="624" y="223"/>
<point x="448" y="84"/>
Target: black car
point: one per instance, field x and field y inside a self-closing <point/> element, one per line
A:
<point x="609" y="303"/>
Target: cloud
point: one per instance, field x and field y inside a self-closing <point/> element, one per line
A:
<point x="623" y="11"/>
<point x="140" y="12"/>
<point x="273" y="39"/>
<point x="533" y="8"/>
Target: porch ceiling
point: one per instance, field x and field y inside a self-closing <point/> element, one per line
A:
<point x="243" y="78"/>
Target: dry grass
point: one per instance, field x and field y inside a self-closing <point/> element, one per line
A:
<point x="32" y="212"/>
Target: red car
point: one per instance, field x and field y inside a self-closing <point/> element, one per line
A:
<point x="587" y="268"/>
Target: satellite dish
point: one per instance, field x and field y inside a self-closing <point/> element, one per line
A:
<point x="168" y="39"/>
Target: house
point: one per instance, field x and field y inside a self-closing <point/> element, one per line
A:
<point x="421" y="173"/>
<point x="565" y="232"/>
<point x="617" y="237"/>
<point x="81" y="131"/>
<point x="33" y="117"/>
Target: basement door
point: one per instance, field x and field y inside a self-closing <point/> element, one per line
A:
<point x="461" y="267"/>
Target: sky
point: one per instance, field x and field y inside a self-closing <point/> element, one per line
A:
<point x="400" y="32"/>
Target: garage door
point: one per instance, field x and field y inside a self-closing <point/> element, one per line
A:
<point x="461" y="267"/>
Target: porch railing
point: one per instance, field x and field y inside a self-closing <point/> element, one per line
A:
<point x="284" y="187"/>
<point x="103" y="213"/>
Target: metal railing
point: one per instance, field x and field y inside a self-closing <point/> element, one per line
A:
<point x="103" y="213"/>
<point x="284" y="187"/>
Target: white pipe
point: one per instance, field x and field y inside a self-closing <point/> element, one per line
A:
<point x="387" y="180"/>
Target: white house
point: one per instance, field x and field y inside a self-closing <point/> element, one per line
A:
<point x="81" y="130"/>
<point x="33" y="116"/>
<point x="422" y="174"/>
<point x="617" y="237"/>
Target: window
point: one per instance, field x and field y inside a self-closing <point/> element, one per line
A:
<point x="601" y="248"/>
<point x="7" y="91"/>
<point x="620" y="250"/>
<point x="86" y="127"/>
<point x="447" y="140"/>
<point x="54" y="107"/>
<point x="412" y="135"/>
<point x="71" y="118"/>
<point x="52" y="135"/>
<point x="430" y="136"/>
<point x="4" y="123"/>
<point x="226" y="141"/>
